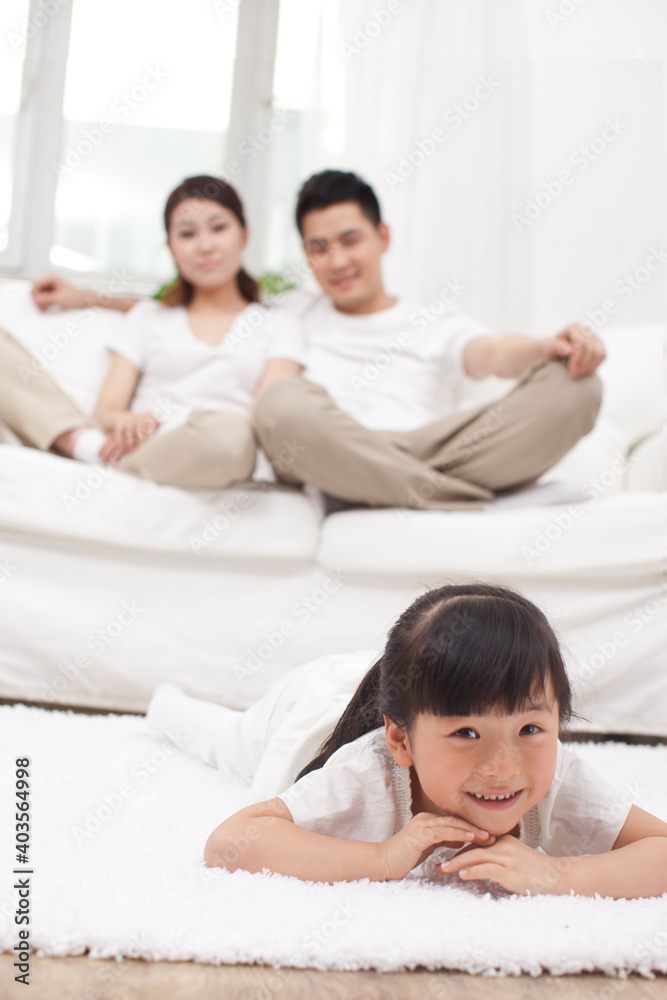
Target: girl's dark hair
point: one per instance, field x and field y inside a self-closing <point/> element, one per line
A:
<point x="463" y="650"/>
<point x="208" y="189"/>
<point x="331" y="187"/>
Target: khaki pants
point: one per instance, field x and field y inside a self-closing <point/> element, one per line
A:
<point x="457" y="462"/>
<point x="211" y="450"/>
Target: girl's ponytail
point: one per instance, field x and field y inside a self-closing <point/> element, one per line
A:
<point x="361" y="716"/>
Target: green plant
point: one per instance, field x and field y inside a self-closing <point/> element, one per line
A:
<point x="275" y="283"/>
<point x="272" y="282"/>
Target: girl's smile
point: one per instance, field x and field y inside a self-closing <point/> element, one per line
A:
<point x="498" y="800"/>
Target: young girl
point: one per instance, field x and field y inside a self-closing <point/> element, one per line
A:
<point x="449" y="741"/>
<point x="176" y="401"/>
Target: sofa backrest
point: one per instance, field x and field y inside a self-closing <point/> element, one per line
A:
<point x="68" y="344"/>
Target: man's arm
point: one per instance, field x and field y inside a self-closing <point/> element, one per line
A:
<point x="513" y="354"/>
<point x="52" y="290"/>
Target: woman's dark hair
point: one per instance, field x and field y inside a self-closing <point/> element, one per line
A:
<point x="462" y="649"/>
<point x="332" y="187"/>
<point x="208" y="189"/>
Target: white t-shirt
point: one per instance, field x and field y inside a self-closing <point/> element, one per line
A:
<point x="361" y="793"/>
<point x="180" y="373"/>
<point x="396" y="369"/>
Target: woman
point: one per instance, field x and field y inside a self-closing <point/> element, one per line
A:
<point x="176" y="401"/>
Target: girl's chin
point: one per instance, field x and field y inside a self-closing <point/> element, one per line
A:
<point x="494" y="821"/>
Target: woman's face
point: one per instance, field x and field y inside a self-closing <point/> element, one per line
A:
<point x="206" y="241"/>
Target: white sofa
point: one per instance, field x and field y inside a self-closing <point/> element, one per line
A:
<point x="110" y="584"/>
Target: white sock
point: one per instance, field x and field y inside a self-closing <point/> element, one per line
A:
<point x="199" y="728"/>
<point x="87" y="445"/>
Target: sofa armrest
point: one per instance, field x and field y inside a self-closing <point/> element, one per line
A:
<point x="647" y="468"/>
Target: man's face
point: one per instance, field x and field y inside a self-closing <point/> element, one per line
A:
<point x="344" y="250"/>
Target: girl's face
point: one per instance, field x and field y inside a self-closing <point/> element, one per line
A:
<point x="206" y="241"/>
<point x="489" y="769"/>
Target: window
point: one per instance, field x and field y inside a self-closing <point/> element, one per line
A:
<point x="119" y="102"/>
<point x="143" y="108"/>
<point x="13" y="32"/>
<point x="309" y="93"/>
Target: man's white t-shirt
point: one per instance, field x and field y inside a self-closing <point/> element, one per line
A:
<point x="361" y="793"/>
<point x="396" y="369"/>
<point x="180" y="373"/>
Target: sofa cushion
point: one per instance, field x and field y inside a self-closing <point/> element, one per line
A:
<point x="606" y="537"/>
<point x="43" y="494"/>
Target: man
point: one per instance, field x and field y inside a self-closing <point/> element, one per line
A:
<point x="371" y="420"/>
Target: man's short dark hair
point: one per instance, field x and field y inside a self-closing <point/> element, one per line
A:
<point x="331" y="187"/>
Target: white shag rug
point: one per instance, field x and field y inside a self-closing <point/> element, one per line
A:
<point x="119" y="821"/>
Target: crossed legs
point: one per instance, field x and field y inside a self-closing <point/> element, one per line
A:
<point x="457" y="462"/>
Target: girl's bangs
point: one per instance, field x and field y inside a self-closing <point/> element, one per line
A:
<point x="485" y="656"/>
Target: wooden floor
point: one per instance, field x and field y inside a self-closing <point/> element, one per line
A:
<point x="81" y="978"/>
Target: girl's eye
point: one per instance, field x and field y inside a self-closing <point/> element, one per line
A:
<point x="221" y="226"/>
<point x="185" y="233"/>
<point x="466" y="731"/>
<point x="531" y="725"/>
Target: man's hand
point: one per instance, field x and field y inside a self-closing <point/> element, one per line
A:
<point x="583" y="349"/>
<point x="511" y="864"/>
<point x="131" y="430"/>
<point x="52" y="290"/>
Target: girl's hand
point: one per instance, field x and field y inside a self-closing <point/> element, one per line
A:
<point x="510" y="863"/>
<point x="416" y="841"/>
<point x="131" y="430"/>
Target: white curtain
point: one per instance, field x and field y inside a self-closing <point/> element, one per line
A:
<point x="534" y="80"/>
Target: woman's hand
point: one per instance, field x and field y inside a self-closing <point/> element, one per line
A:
<point x="416" y="841"/>
<point x="130" y="430"/>
<point x="512" y="864"/>
<point x="52" y="290"/>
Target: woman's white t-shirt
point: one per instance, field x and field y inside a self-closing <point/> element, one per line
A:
<point x="361" y="793"/>
<point x="396" y="369"/>
<point x="180" y="373"/>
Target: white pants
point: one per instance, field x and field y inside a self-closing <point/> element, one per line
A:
<point x="271" y="741"/>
